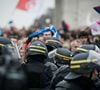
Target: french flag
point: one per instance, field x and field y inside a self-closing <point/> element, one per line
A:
<point x="54" y="31"/>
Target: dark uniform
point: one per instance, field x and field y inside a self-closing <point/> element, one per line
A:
<point x="52" y="66"/>
<point x="59" y="75"/>
<point x="12" y="76"/>
<point x="38" y="72"/>
<point x="82" y="68"/>
<point x="62" y="60"/>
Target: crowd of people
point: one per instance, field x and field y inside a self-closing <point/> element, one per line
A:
<point x="44" y="58"/>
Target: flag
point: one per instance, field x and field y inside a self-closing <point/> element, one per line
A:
<point x="27" y="11"/>
<point x="22" y="4"/>
<point x="54" y="31"/>
<point x="97" y="9"/>
<point x="26" y="4"/>
<point x="95" y="28"/>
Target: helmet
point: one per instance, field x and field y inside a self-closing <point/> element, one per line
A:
<point x="62" y="56"/>
<point x="87" y="47"/>
<point x="6" y="47"/>
<point x="8" y="55"/>
<point x="53" y="43"/>
<point x="5" y="41"/>
<point x="91" y="47"/>
<point x="83" y="63"/>
<point x="37" y="48"/>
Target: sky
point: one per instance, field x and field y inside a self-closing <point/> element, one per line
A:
<point x="6" y="9"/>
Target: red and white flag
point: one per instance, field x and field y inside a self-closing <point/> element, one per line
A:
<point x="28" y="10"/>
<point x="26" y="4"/>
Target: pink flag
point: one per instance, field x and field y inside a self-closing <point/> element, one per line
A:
<point x="95" y="28"/>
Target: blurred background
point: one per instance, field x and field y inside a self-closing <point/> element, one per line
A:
<point x="24" y="13"/>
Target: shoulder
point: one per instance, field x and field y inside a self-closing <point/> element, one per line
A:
<point x="66" y="85"/>
<point x="52" y="65"/>
<point x="62" y="84"/>
<point x="63" y="68"/>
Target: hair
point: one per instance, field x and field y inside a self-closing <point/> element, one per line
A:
<point x="83" y="34"/>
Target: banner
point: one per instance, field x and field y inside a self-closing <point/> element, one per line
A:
<point x="97" y="9"/>
<point x="28" y="10"/>
<point x="95" y="28"/>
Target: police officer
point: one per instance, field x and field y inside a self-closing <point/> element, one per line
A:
<point x="83" y="72"/>
<point x="11" y="75"/>
<point x="62" y="60"/>
<point x="37" y="71"/>
<point x="62" y="57"/>
<point x="52" y="44"/>
<point x="4" y="42"/>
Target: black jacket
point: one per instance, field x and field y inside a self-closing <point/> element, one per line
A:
<point x="38" y="74"/>
<point x="81" y="83"/>
<point x="59" y="75"/>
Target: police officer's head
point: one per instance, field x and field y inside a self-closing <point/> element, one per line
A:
<point x="62" y="56"/>
<point x="5" y="41"/>
<point x="6" y="48"/>
<point x="53" y="43"/>
<point x="37" y="49"/>
<point x="84" y="64"/>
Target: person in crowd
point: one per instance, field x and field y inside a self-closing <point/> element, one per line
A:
<point x="96" y="40"/>
<point x="47" y="35"/>
<point x="74" y="44"/>
<point x="83" y="36"/>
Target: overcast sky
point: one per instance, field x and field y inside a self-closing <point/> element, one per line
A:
<point x="6" y="9"/>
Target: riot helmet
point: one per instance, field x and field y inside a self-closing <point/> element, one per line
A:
<point x="86" y="47"/>
<point x="53" y="43"/>
<point x="5" y="41"/>
<point x="62" y="56"/>
<point x="83" y="63"/>
<point x="37" y="48"/>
